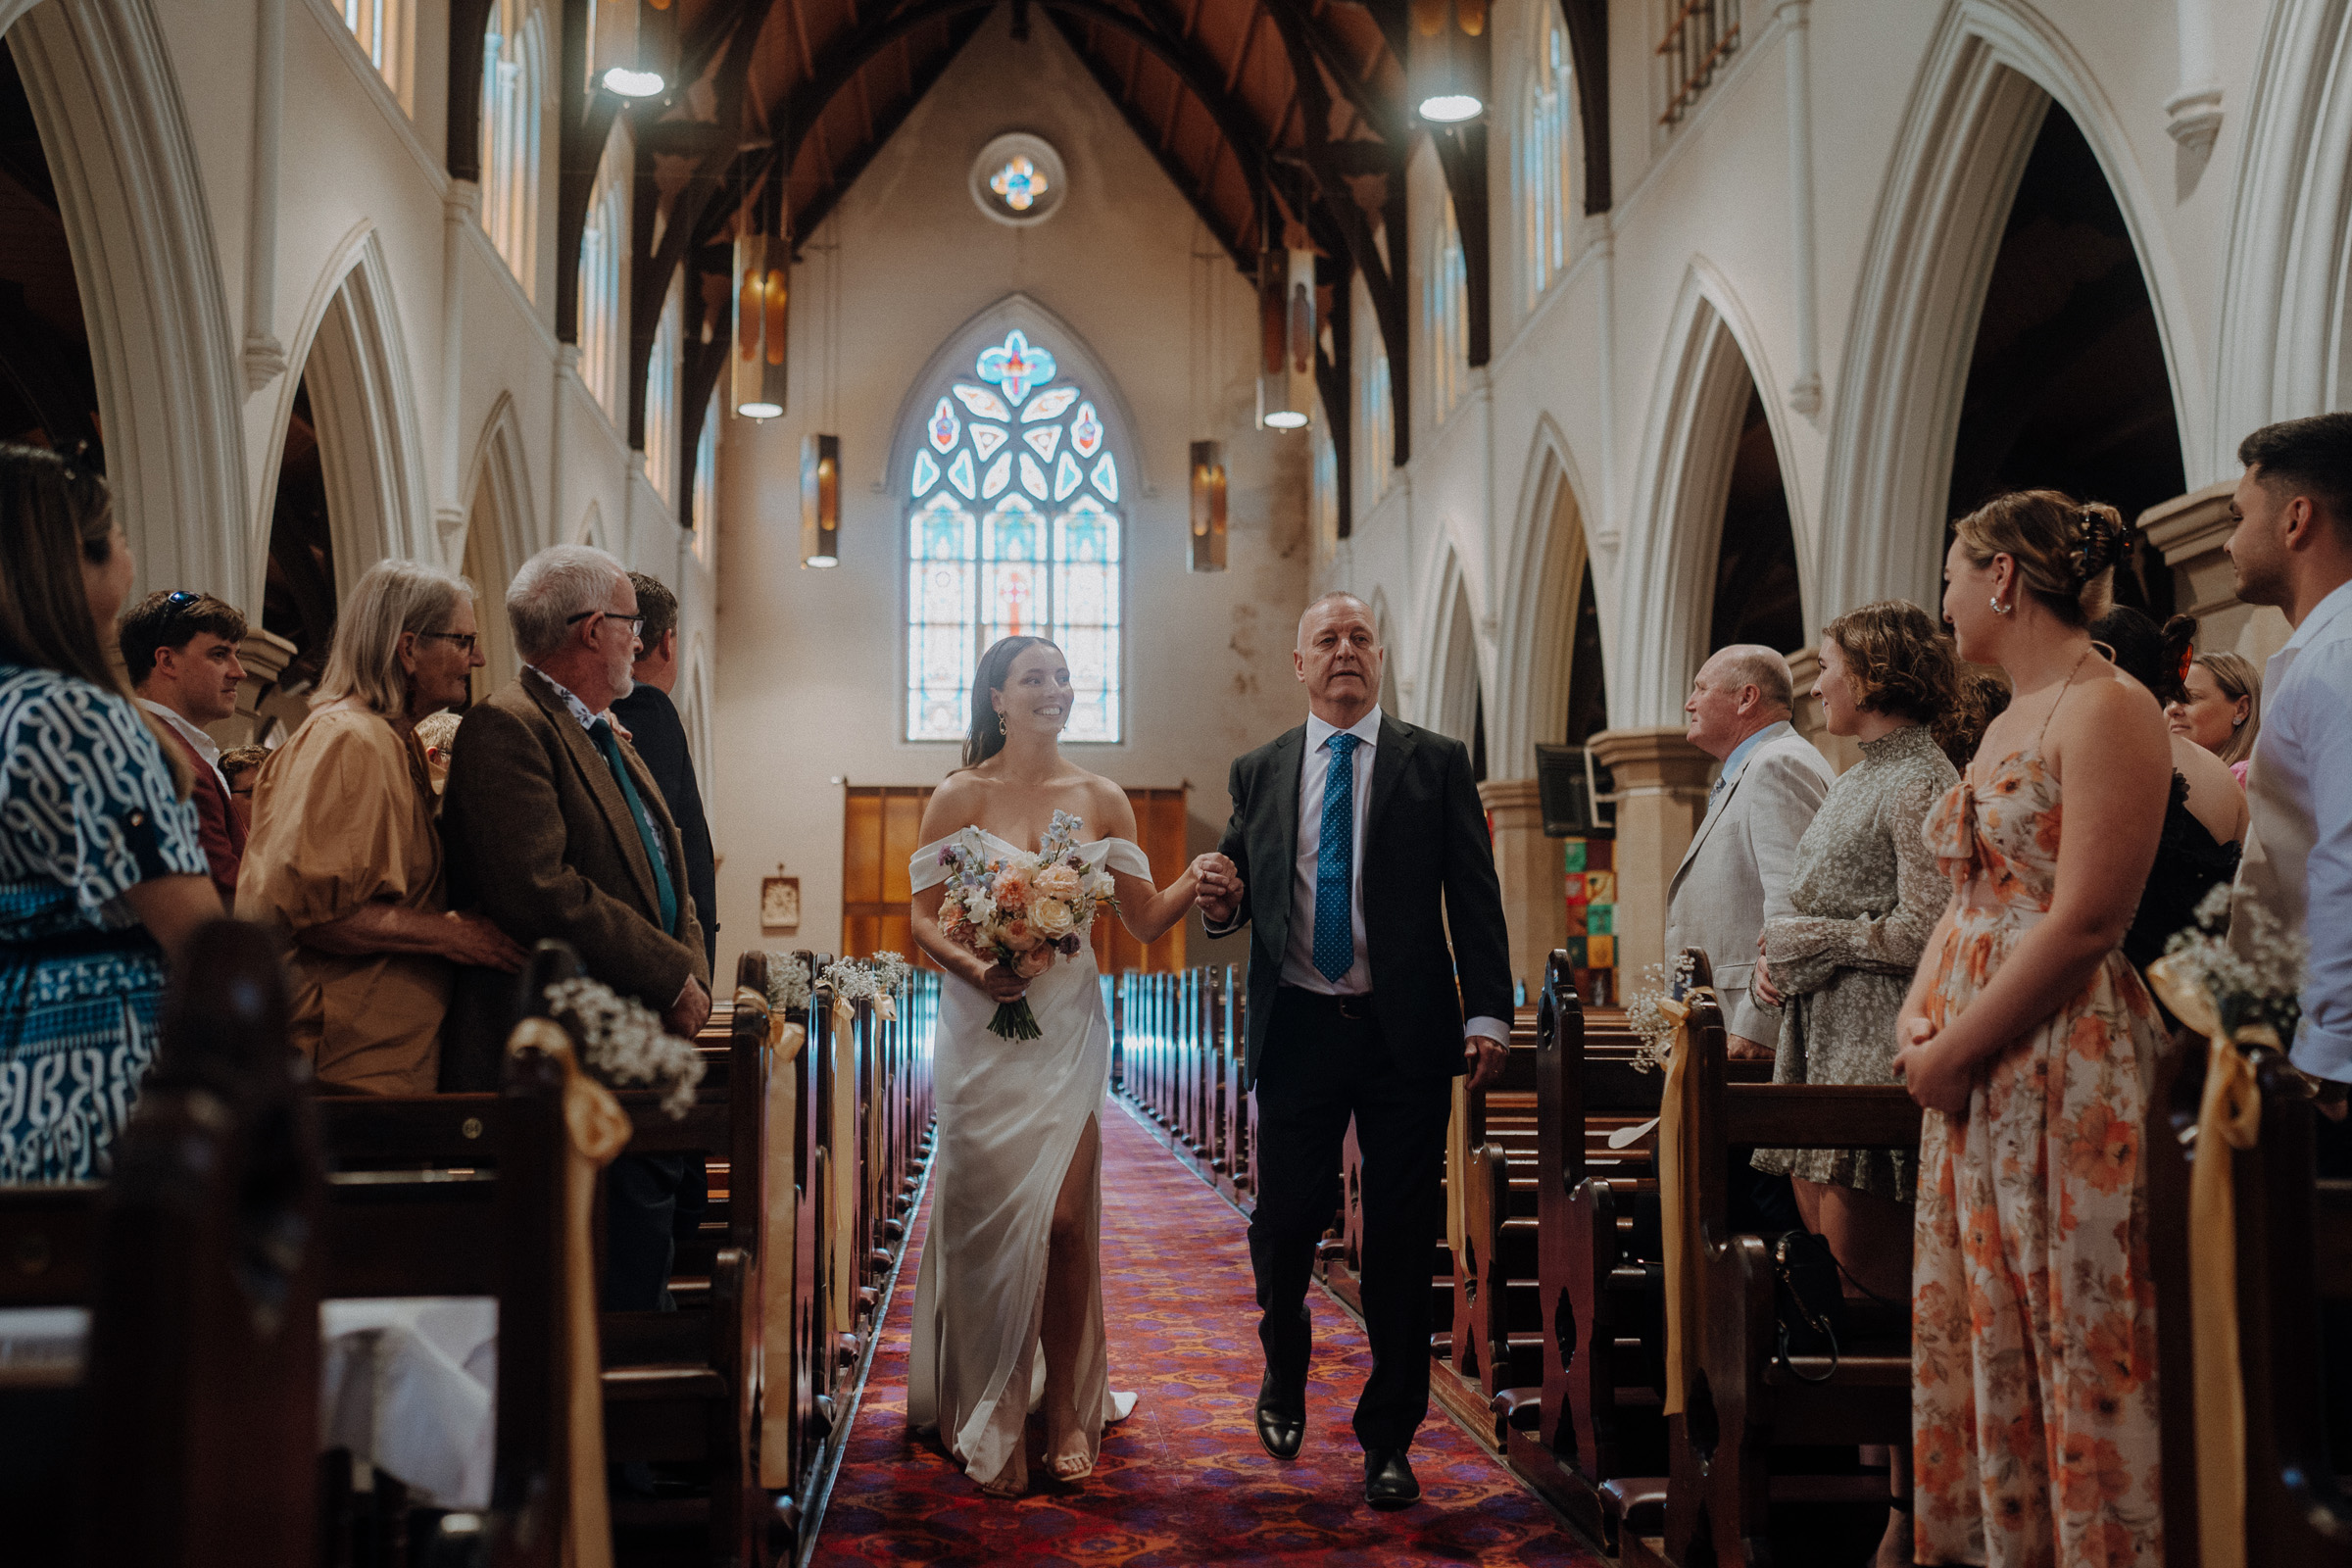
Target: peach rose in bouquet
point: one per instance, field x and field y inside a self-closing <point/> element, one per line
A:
<point x="1023" y="911"/>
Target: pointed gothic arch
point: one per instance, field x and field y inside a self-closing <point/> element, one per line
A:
<point x="1455" y="689"/>
<point x="988" y="550"/>
<point x="353" y="360"/>
<point x="1989" y="78"/>
<point x="499" y="534"/>
<point x="2286" y="295"/>
<point x="1699" y="411"/>
<point x="1537" y="619"/>
<point x="107" y="105"/>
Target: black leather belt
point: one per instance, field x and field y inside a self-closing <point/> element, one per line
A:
<point x="1356" y="1007"/>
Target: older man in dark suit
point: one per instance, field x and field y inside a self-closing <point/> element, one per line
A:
<point x="1359" y="855"/>
<point x="556" y="828"/>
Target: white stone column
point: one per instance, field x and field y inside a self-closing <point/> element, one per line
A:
<point x="264" y="357"/>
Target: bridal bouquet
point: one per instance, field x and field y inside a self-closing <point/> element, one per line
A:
<point x="1021" y="910"/>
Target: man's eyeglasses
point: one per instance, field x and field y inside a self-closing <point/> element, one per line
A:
<point x="465" y="640"/>
<point x="636" y="623"/>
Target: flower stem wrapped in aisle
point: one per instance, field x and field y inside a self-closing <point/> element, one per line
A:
<point x="1022" y="910"/>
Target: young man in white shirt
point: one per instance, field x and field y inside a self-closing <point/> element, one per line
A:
<point x="2292" y="548"/>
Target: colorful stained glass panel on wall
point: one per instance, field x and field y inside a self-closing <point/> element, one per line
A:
<point x="1024" y="565"/>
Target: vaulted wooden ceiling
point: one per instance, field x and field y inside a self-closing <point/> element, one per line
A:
<point x="1292" y="108"/>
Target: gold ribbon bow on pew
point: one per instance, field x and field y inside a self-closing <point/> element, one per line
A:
<point x="596" y="1129"/>
<point x="779" y="1207"/>
<point x="1678" y="1226"/>
<point x="2228" y="1118"/>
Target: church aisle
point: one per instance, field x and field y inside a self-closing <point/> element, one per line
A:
<point x="1184" y="1480"/>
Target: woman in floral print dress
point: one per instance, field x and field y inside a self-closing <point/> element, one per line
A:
<point x="2033" y="1044"/>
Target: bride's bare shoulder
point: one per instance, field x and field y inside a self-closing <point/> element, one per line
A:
<point x="955" y="804"/>
<point x="1110" y="814"/>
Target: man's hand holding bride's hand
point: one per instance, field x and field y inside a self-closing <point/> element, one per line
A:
<point x="1220" y="894"/>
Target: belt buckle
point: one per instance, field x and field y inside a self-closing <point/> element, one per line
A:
<point x="1355" y="1009"/>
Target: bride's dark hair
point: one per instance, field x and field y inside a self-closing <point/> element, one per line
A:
<point x="986" y="738"/>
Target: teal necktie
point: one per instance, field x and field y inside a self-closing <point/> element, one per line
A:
<point x="609" y="744"/>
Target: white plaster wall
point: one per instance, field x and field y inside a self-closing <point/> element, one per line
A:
<point x="1708" y="207"/>
<point x="358" y="170"/>
<point x="810" y="664"/>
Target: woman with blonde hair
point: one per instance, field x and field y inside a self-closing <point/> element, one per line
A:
<point x="344" y="857"/>
<point x="2221" y="707"/>
<point x="2033" y="1044"/>
<point x="102" y="877"/>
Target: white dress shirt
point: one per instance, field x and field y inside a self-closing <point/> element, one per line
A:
<point x="1299" y="957"/>
<point x="2298" y="856"/>
<point x="206" y="747"/>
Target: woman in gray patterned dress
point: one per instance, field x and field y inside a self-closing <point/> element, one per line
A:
<point x="1867" y="894"/>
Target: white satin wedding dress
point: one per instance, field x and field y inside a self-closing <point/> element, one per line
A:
<point x="1010" y="1114"/>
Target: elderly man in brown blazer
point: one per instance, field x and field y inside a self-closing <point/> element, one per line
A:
<point x="555" y="828"/>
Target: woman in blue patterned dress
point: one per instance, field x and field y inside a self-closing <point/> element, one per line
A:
<point x="101" y="876"/>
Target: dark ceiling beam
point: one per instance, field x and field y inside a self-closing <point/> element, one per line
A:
<point x="712" y="145"/>
<point x="1462" y="156"/>
<point x="1589" y="57"/>
<point x="468" y="21"/>
<point x="843" y="58"/>
<point x="1335" y="378"/>
<point x="806" y="219"/>
<point x="1383" y="279"/>
<point x="1197" y="190"/>
<point x="584" y="119"/>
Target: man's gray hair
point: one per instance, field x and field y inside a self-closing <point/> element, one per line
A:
<point x="1755" y="664"/>
<point x="552" y="588"/>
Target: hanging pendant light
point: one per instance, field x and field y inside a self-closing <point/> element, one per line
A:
<point x="1208" y="543"/>
<point x="763" y="317"/>
<point x="1285" y="303"/>
<point x="633" y="46"/>
<point x="820" y="500"/>
<point x="1447" y="66"/>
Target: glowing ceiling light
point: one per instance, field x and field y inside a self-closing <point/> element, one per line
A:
<point x="628" y="83"/>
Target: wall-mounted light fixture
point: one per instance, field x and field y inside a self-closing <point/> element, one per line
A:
<point x="1447" y="66"/>
<point x="1286" y="305"/>
<point x="1207" y="551"/>
<point x="820" y="500"/>
<point x="634" y="45"/>
<point x="763" y="315"/>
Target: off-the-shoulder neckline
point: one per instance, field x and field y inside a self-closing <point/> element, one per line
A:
<point x="1087" y="843"/>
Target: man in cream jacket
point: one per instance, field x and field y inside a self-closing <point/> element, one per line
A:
<point x="1734" y="876"/>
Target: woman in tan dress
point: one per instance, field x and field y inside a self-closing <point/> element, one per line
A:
<point x="2033" y="1044"/>
<point x="344" y="856"/>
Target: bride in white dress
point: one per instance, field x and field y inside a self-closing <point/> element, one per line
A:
<point x="1011" y="1265"/>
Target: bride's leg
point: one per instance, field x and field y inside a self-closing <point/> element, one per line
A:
<point x="1070" y="1283"/>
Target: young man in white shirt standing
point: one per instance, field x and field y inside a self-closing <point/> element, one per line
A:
<point x="2292" y="548"/>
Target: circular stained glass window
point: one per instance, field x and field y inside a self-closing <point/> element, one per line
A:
<point x="1019" y="178"/>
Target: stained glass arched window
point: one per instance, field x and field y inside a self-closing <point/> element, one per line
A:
<point x="1013" y="528"/>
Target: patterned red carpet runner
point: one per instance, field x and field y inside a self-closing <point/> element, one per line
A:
<point x="1182" y="1480"/>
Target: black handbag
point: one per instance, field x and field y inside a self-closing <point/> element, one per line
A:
<point x="1809" y="1303"/>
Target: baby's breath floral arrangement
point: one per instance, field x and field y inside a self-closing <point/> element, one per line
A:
<point x="623" y="1041"/>
<point x="2253" y="982"/>
<point x="788" y="984"/>
<point x="1651" y="1023"/>
<point x="853" y="982"/>
<point x="892" y="971"/>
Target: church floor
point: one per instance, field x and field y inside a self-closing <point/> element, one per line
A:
<point x="1182" y="1480"/>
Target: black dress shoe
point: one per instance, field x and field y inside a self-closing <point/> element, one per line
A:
<point x="1280" y="1415"/>
<point x="1389" y="1479"/>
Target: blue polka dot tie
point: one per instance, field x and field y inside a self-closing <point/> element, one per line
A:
<point x="1335" y="858"/>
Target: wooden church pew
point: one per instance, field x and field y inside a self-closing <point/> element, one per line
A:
<point x="2295" y="1254"/>
<point x="1739" y="1404"/>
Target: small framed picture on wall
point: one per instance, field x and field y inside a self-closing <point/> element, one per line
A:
<point x="780" y="904"/>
